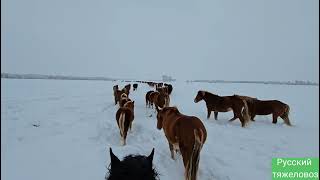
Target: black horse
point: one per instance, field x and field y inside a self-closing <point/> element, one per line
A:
<point x="132" y="167"/>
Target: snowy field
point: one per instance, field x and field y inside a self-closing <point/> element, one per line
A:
<point x="77" y="126"/>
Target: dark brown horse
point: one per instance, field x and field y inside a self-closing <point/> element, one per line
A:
<point x="117" y="95"/>
<point x="266" y="107"/>
<point x="115" y="87"/>
<point x="126" y="89"/>
<point x="184" y="133"/>
<point x="169" y="86"/>
<point x="125" y="117"/>
<point x="149" y="102"/>
<point x="135" y="86"/>
<point x="224" y="104"/>
<point x="159" y="100"/>
<point x="123" y="99"/>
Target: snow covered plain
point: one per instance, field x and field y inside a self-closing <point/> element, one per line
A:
<point x="77" y="126"/>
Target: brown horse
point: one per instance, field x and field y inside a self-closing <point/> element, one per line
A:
<point x="124" y="98"/>
<point x="125" y="117"/>
<point x="266" y="107"/>
<point x="148" y="99"/>
<point x="127" y="88"/>
<point x="163" y="90"/>
<point x="184" y="133"/>
<point x="169" y="86"/>
<point x="224" y="104"/>
<point x="117" y="95"/>
<point x="115" y="87"/>
<point x="159" y="99"/>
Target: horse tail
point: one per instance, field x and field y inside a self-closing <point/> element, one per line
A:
<point x="246" y="115"/>
<point x="193" y="165"/>
<point x="285" y="115"/>
<point x="122" y="119"/>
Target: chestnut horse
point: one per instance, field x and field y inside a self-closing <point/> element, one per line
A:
<point x="117" y="95"/>
<point x="169" y="86"/>
<point x="184" y="133"/>
<point x="159" y="99"/>
<point x="266" y="107"/>
<point x="133" y="167"/>
<point x="127" y="89"/>
<point x="125" y="117"/>
<point x="224" y="104"/>
<point x="148" y="99"/>
<point x="124" y="98"/>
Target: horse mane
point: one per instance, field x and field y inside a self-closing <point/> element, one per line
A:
<point x="209" y="93"/>
<point x="133" y="167"/>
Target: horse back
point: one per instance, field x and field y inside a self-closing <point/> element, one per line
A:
<point x="265" y="107"/>
<point x="181" y="129"/>
<point x="128" y="114"/>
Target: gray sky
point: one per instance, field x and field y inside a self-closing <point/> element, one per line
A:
<point x="188" y="39"/>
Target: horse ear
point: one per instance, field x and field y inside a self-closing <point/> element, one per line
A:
<point x="150" y="157"/>
<point x="203" y="93"/>
<point x="132" y="102"/>
<point x="114" y="159"/>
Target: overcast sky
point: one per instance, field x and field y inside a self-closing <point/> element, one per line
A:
<point x="188" y="39"/>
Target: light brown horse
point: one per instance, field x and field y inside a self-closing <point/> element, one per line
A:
<point x="266" y="107"/>
<point x="125" y="117"/>
<point x="184" y="133"/>
<point x="224" y="104"/>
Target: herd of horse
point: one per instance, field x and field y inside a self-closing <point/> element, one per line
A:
<point x="185" y="134"/>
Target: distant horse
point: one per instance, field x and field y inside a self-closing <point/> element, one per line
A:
<point x="159" y="85"/>
<point x="127" y="88"/>
<point x="184" y="133"/>
<point x="151" y="84"/>
<point x="135" y="86"/>
<point x="169" y="86"/>
<point x="117" y="95"/>
<point x="115" y="87"/>
<point x="125" y="117"/>
<point x="224" y="104"/>
<point x="148" y="99"/>
<point x="159" y="99"/>
<point x="124" y="98"/>
<point x="163" y="90"/>
<point x="266" y="107"/>
<point x="133" y="167"/>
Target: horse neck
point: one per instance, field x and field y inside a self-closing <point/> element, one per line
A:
<point x="170" y="118"/>
<point x="208" y="96"/>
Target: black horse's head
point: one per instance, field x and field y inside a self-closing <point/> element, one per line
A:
<point x="132" y="167"/>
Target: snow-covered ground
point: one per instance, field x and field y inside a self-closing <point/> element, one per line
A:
<point x="77" y="126"/>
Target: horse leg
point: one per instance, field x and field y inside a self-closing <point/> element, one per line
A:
<point x="252" y="117"/>
<point x="171" y="150"/>
<point x="274" y="118"/>
<point x="234" y="117"/>
<point x="239" y="115"/>
<point x="215" y="115"/>
<point x="209" y="113"/>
